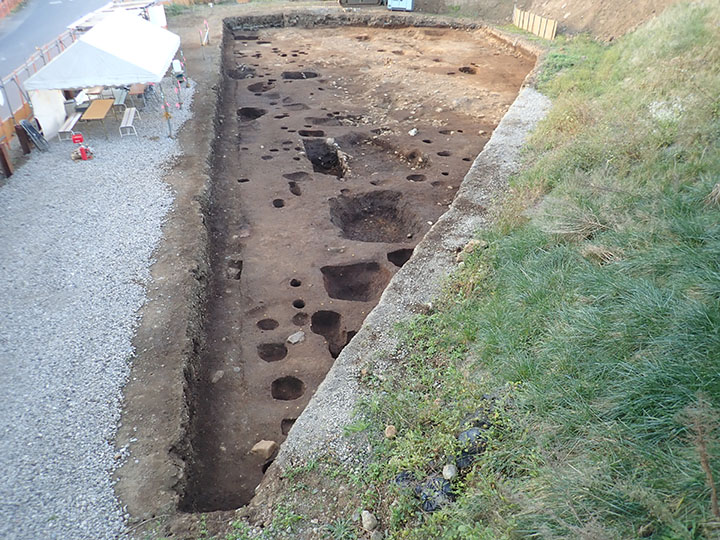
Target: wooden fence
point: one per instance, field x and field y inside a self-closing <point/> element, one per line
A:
<point x="540" y="26"/>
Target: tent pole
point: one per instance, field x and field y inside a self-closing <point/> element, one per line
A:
<point x="166" y="112"/>
<point x="182" y="56"/>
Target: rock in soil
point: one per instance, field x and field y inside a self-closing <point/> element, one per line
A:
<point x="369" y="521"/>
<point x="449" y="471"/>
<point x="264" y="449"/>
<point x="297" y="337"/>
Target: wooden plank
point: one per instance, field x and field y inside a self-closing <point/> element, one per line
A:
<point x="530" y="22"/>
<point x="98" y="109"/>
<point x="8" y="126"/>
<point x="23" y="138"/>
<point x="5" y="162"/>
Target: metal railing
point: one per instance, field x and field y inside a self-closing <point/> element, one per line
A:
<point x="14" y="100"/>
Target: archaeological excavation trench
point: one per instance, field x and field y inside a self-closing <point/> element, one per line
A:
<point x="337" y="150"/>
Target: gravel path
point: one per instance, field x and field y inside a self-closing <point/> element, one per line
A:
<point x="76" y="240"/>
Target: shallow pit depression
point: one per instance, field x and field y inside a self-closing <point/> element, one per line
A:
<point x="335" y="156"/>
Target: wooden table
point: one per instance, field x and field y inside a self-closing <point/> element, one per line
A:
<point x="98" y="110"/>
<point x="95" y="90"/>
<point x="137" y="89"/>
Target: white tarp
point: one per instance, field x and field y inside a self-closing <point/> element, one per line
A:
<point x="49" y="109"/>
<point x="156" y="14"/>
<point x="120" y="50"/>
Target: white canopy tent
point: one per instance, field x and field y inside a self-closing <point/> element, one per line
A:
<point x="120" y="50"/>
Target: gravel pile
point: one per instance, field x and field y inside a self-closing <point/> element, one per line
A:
<point x="76" y="241"/>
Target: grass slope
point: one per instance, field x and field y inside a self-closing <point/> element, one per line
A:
<point x="588" y="331"/>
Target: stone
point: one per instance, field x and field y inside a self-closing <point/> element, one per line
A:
<point x="470" y="247"/>
<point x="369" y="521"/>
<point x="297" y="337"/>
<point x="376" y="535"/>
<point x="390" y="431"/>
<point x="234" y="273"/>
<point x="217" y="376"/>
<point x="264" y="449"/>
<point x="413" y="132"/>
<point x="449" y="471"/>
<point x="474" y="244"/>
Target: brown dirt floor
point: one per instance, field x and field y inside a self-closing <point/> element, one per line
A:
<point x="295" y="247"/>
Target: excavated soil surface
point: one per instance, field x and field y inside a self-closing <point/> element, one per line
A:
<point x="319" y="195"/>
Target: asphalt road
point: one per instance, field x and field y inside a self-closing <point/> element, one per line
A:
<point x="35" y="24"/>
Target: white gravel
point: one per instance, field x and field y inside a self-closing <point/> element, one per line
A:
<point x="76" y="241"/>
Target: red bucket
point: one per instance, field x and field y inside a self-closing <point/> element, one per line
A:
<point x="77" y="138"/>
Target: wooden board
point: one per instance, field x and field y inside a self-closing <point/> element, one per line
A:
<point x="8" y="126"/>
<point x="535" y="24"/>
<point x="98" y="109"/>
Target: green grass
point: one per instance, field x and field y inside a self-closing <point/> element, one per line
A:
<point x="341" y="529"/>
<point x="593" y="316"/>
<point x="172" y="10"/>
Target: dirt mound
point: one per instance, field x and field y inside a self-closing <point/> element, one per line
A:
<point x="606" y="20"/>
